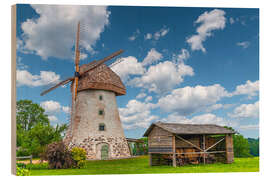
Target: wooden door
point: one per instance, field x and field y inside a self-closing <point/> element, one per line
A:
<point x="105" y="151"/>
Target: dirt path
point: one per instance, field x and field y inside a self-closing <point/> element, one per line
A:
<point x="34" y="161"/>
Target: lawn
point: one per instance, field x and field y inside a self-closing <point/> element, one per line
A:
<point x="140" y="165"/>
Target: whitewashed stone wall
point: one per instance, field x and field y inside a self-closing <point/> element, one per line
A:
<point x="84" y="128"/>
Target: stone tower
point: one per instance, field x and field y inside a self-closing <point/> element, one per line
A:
<point x="95" y="123"/>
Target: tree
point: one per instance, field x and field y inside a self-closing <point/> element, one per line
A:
<point x="254" y="146"/>
<point x="29" y="114"/>
<point x="34" y="131"/>
<point x="241" y="146"/>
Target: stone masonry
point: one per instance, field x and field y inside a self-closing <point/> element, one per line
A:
<point x="92" y="109"/>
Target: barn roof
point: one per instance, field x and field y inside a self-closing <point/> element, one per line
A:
<point x="101" y="77"/>
<point x="176" y="128"/>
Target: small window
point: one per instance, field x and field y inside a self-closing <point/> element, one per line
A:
<point x="100" y="97"/>
<point x="100" y="112"/>
<point x="101" y="127"/>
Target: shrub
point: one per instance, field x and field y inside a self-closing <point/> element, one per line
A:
<point x="37" y="166"/>
<point x="21" y="165"/>
<point x="79" y="156"/>
<point x="22" y="172"/>
<point x="58" y="156"/>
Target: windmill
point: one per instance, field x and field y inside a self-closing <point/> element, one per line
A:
<point x="95" y="123"/>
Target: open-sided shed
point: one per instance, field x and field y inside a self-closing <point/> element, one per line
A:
<point x="180" y="144"/>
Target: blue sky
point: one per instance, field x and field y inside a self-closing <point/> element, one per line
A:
<point x="186" y="65"/>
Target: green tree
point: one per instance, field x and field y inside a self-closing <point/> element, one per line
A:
<point x="241" y="146"/>
<point x="34" y="131"/>
<point x="28" y="114"/>
<point x="254" y="146"/>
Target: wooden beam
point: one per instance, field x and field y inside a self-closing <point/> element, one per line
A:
<point x="188" y="142"/>
<point x="229" y="148"/>
<point x="214" y="144"/>
<point x="203" y="149"/>
<point x="150" y="159"/>
<point x="173" y="146"/>
<point x="211" y="152"/>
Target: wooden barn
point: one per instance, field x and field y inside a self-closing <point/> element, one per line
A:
<point x="180" y="144"/>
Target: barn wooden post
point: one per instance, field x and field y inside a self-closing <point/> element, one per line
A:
<point x="173" y="148"/>
<point x="229" y="148"/>
<point x="204" y="149"/>
<point x="150" y="159"/>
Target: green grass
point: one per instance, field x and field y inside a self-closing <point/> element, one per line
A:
<point x="140" y="165"/>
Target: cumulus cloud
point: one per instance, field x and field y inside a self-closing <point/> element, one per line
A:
<point x="231" y="20"/>
<point x="250" y="88"/>
<point x="148" y="98"/>
<point x="152" y="56"/>
<point x="53" y="118"/>
<point x="52" y="34"/>
<point x="162" y="77"/>
<point x="243" y="44"/>
<point x="209" y="21"/>
<point x="249" y="127"/>
<point x="25" y="78"/>
<point x="51" y="107"/>
<point x="134" y="35"/>
<point x="66" y="109"/>
<point x="183" y="55"/>
<point x="200" y="119"/>
<point x="137" y="114"/>
<point x="188" y="100"/>
<point x="141" y="95"/>
<point x="129" y="66"/>
<point x="157" y="35"/>
<point x="246" y="111"/>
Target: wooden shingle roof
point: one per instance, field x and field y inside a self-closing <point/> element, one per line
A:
<point x="176" y="128"/>
<point x="101" y="77"/>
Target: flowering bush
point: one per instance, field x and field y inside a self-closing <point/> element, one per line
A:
<point x="79" y="156"/>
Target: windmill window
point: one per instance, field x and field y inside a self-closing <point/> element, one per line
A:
<point x="100" y="98"/>
<point x="101" y="127"/>
<point x="100" y="112"/>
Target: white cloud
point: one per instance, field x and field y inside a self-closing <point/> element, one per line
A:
<point x="148" y="36"/>
<point x="148" y="98"/>
<point x="52" y="34"/>
<point x="210" y="21"/>
<point x="136" y="114"/>
<point x="129" y="66"/>
<point x="157" y="35"/>
<point x="184" y="54"/>
<point x="188" y="100"/>
<point x="45" y="78"/>
<point x="243" y="44"/>
<point x="53" y="118"/>
<point x="151" y="57"/>
<point x="250" y="88"/>
<point x="214" y="107"/>
<point x="51" y="107"/>
<point x="141" y="95"/>
<point x="162" y="77"/>
<point x="66" y="109"/>
<point x="200" y="119"/>
<point x="249" y="127"/>
<point x="19" y="64"/>
<point x="246" y="111"/>
<point x="231" y="20"/>
<point x="135" y="35"/>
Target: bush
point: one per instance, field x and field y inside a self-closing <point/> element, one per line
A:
<point x="21" y="165"/>
<point x="58" y="156"/>
<point x="37" y="166"/>
<point x="79" y="156"/>
<point x="22" y="172"/>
